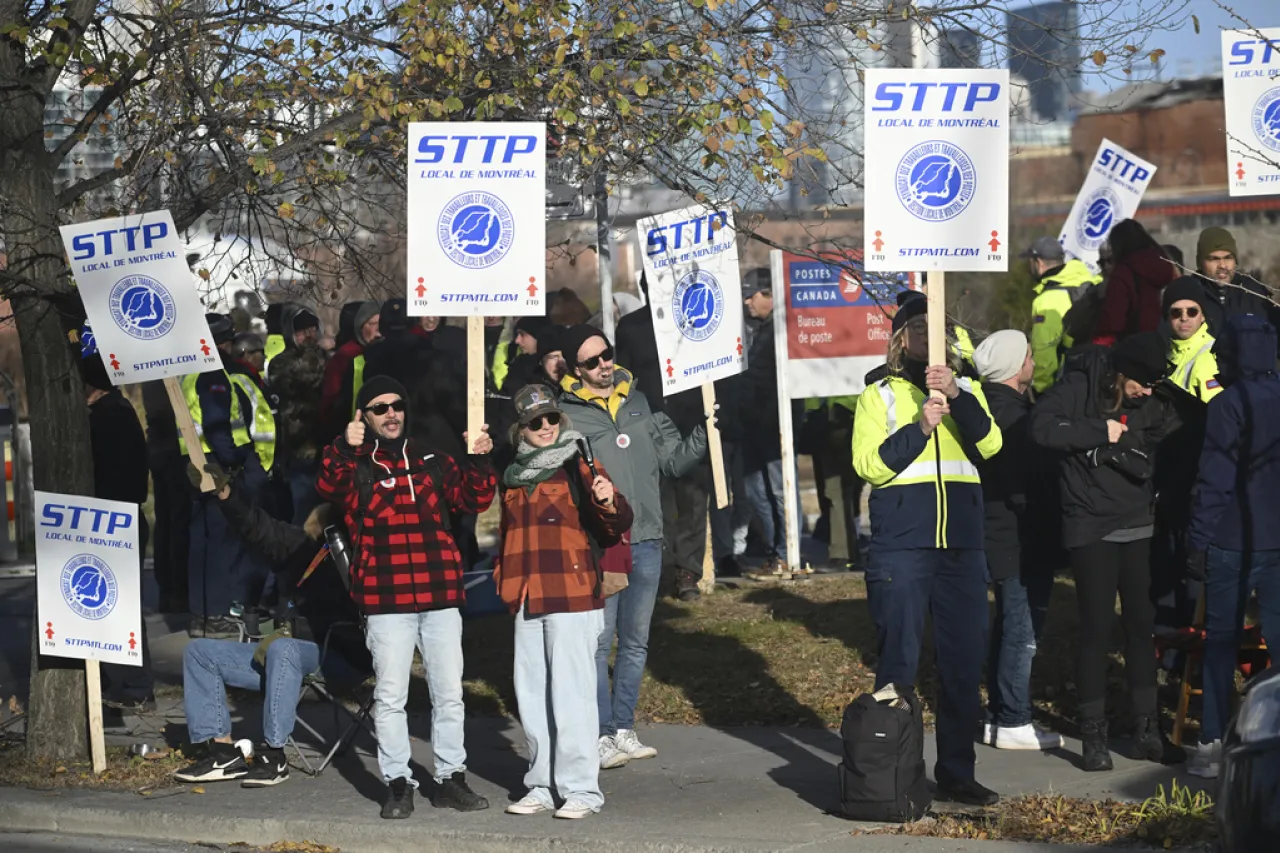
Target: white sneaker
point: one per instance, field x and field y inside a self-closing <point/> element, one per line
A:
<point x="1205" y="760"/>
<point x="610" y="755"/>
<point x="528" y="805"/>
<point x="627" y="741"/>
<point x="989" y="733"/>
<point x="574" y="810"/>
<point x="1027" y="737"/>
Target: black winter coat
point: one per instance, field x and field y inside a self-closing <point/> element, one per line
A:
<point x="322" y="600"/>
<point x="1104" y="487"/>
<point x="1017" y="487"/>
<point x="1242" y="296"/>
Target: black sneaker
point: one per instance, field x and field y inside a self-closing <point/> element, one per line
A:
<point x="399" y="801"/>
<point x="1150" y="744"/>
<point x="223" y="762"/>
<point x="968" y="793"/>
<point x="728" y="567"/>
<point x="455" y="793"/>
<point x="1094" y="754"/>
<point x="269" y="768"/>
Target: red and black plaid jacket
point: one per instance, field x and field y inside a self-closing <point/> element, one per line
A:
<point x="546" y="562"/>
<point x="404" y="560"/>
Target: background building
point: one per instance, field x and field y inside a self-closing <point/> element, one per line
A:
<point x="1044" y="52"/>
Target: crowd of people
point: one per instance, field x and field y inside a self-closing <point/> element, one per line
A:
<point x="346" y="490"/>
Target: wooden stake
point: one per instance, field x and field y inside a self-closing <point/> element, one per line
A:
<point x="792" y="504"/>
<point x="714" y="449"/>
<point x="93" y="693"/>
<point x="475" y="379"/>
<point x="187" y="429"/>
<point x="936" y="292"/>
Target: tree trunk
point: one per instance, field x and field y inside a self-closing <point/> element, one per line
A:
<point x="37" y="285"/>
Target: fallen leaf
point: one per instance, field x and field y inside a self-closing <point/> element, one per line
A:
<point x="197" y="790"/>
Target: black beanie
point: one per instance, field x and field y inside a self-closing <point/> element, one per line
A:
<point x="549" y="340"/>
<point x="376" y="387"/>
<point x="572" y="339"/>
<point x="304" y="319"/>
<point x="1187" y="287"/>
<point x="532" y="326"/>
<point x="394" y="316"/>
<point x="911" y="303"/>
<point x="1143" y="357"/>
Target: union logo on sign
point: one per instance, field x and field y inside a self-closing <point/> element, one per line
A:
<point x="698" y="305"/>
<point x="1094" y="224"/>
<point x="476" y="229"/>
<point x="1266" y="119"/>
<point x="936" y="181"/>
<point x="142" y="307"/>
<point x="89" y="587"/>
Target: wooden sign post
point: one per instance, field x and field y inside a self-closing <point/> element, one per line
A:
<point x="936" y="293"/>
<point x="93" y="694"/>
<point x="475" y="380"/>
<point x="714" y="448"/>
<point x="187" y="429"/>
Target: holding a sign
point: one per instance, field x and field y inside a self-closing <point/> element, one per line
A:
<point x="1251" y="96"/>
<point x="478" y="226"/>
<point x="690" y="260"/>
<point x="138" y="294"/>
<point x="1111" y="192"/>
<point x="937" y="170"/>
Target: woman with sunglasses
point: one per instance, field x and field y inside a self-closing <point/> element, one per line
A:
<point x="559" y="511"/>
<point x="1105" y="420"/>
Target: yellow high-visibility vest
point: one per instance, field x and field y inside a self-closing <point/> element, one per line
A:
<point x="263" y="431"/>
<point x="239" y="432"/>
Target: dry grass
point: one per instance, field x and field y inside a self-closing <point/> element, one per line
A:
<point x="124" y="772"/>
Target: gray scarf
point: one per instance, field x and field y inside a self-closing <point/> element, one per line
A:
<point x="534" y="465"/>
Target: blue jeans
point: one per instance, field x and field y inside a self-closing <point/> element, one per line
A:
<point x="628" y="614"/>
<point x="951" y="586"/>
<point x="1021" y="606"/>
<point x="763" y="485"/>
<point x="555" y="680"/>
<point x="391" y="638"/>
<point x="208" y="666"/>
<point x="1232" y="576"/>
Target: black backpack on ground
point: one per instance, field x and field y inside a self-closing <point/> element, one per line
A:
<point x="882" y="776"/>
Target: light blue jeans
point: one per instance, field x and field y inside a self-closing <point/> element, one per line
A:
<point x="628" y="615"/>
<point x="555" y="677"/>
<point x="208" y="666"/>
<point x="391" y="638"/>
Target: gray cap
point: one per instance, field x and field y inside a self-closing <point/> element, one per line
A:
<point x="1046" y="248"/>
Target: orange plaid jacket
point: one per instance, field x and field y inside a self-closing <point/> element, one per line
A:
<point x="546" y="562"/>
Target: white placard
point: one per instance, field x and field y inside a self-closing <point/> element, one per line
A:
<point x="1111" y="192"/>
<point x="1251" y="97"/>
<point x="146" y="315"/>
<point x="477" y="219"/>
<point x="88" y="591"/>
<point x="690" y="259"/>
<point x="937" y="170"/>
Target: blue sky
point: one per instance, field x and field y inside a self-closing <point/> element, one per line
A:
<point x="1205" y="48"/>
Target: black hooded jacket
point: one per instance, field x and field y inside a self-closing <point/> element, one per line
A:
<point x="1104" y="487"/>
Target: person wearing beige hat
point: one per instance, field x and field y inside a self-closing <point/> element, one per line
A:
<point x="1016" y="512"/>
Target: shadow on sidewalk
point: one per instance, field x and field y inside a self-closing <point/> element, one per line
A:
<point x="679" y="658"/>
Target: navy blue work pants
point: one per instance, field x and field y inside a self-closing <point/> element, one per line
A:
<point x="950" y="585"/>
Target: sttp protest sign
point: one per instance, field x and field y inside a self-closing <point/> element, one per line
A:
<point x="477" y="218"/>
<point x="88" y="591"/>
<point x="937" y="169"/>
<point x="838" y="321"/>
<point x="1111" y="192"/>
<point x="690" y="260"/>
<point x="138" y="294"/>
<point x="1251" y="97"/>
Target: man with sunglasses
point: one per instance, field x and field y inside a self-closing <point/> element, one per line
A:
<point x="636" y="445"/>
<point x="406" y="577"/>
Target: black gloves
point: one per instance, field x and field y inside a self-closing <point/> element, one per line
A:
<point x="221" y="477"/>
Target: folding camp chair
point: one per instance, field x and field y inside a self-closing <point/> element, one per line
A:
<point x="314" y="685"/>
<point x="1250" y="654"/>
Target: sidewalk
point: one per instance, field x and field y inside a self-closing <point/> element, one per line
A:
<point x="709" y="789"/>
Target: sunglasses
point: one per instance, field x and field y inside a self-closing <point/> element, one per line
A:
<point x="381" y="409"/>
<point x="1176" y="313"/>
<point x="536" y="424"/>
<point x="594" y="362"/>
